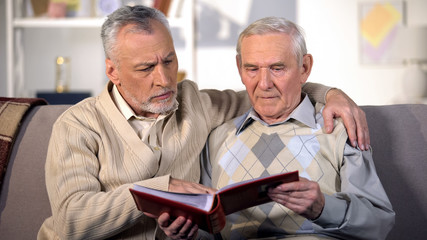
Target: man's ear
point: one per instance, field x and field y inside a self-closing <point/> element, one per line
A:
<point x="112" y="71"/>
<point x="239" y="64"/>
<point x="307" y="64"/>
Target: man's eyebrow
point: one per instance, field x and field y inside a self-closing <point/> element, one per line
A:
<point x="248" y="65"/>
<point x="277" y="64"/>
<point x="148" y="63"/>
<point x="145" y="64"/>
<point x="171" y="54"/>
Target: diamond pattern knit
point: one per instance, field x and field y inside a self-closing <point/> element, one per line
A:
<point x="262" y="150"/>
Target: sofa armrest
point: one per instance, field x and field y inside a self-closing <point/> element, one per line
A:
<point x="24" y="203"/>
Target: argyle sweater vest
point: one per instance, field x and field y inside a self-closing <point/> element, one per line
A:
<point x="261" y="150"/>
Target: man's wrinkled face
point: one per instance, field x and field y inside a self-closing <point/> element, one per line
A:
<point x="271" y="74"/>
<point x="145" y="69"/>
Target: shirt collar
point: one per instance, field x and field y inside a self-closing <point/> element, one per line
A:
<point x="121" y="103"/>
<point x="304" y="113"/>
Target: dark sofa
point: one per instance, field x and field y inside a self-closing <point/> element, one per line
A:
<point x="398" y="137"/>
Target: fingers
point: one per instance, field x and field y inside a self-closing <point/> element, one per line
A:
<point x="163" y="220"/>
<point x="351" y="126"/>
<point x="180" y="228"/>
<point x="354" y="119"/>
<point x="363" y="137"/>
<point x="182" y="186"/>
<point x="193" y="232"/>
<point x="183" y="229"/>
<point x="357" y="128"/>
<point x="310" y="208"/>
<point x="340" y="105"/>
<point x="210" y="190"/>
<point x="199" y="188"/>
<point x="328" y="117"/>
<point x="348" y="116"/>
<point x="296" y="204"/>
<point x="303" y="197"/>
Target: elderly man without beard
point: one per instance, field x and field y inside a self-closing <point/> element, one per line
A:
<point x="339" y="194"/>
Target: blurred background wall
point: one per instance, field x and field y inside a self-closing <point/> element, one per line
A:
<point x="333" y="36"/>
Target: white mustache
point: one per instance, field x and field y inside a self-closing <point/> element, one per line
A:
<point x="164" y="91"/>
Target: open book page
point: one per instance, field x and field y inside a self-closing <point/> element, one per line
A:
<point x="200" y="201"/>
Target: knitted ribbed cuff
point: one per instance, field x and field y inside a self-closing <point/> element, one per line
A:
<point x="159" y="183"/>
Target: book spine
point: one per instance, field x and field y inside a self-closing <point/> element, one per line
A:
<point x="216" y="218"/>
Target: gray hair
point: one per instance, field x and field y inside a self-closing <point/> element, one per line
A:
<point x="276" y="25"/>
<point x="139" y="15"/>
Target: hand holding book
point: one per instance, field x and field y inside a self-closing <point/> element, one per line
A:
<point x="181" y="186"/>
<point x="209" y="210"/>
<point x="179" y="228"/>
<point x="303" y="197"/>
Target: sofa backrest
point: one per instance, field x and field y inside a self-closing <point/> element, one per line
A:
<point x="398" y="137"/>
<point x="23" y="201"/>
<point x="399" y="141"/>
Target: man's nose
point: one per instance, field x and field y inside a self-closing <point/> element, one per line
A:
<point x="161" y="76"/>
<point x="265" y="81"/>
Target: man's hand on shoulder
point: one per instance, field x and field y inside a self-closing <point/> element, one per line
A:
<point x="338" y="104"/>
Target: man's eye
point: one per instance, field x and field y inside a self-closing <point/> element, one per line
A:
<point x="147" y="69"/>
<point x="167" y="62"/>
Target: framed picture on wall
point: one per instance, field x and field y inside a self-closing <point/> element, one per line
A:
<point x="380" y="30"/>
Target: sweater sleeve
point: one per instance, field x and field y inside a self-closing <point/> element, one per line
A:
<point x="217" y="106"/>
<point x="82" y="207"/>
<point x="316" y="92"/>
